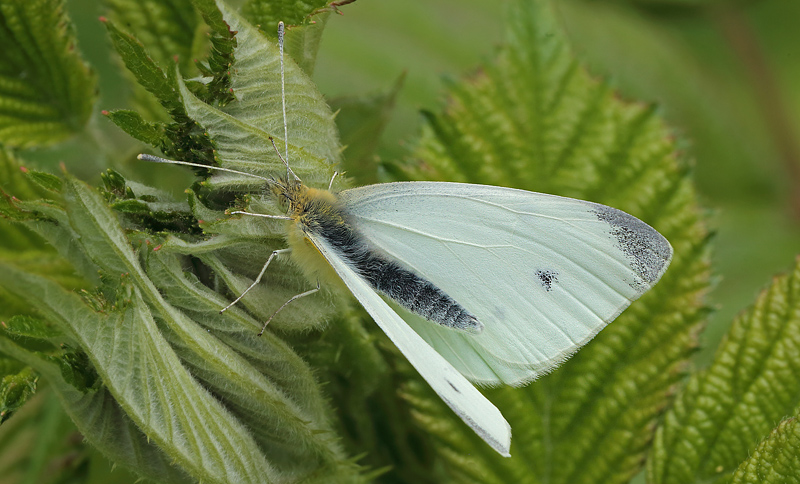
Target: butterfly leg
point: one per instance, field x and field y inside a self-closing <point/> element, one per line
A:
<point x="275" y="253"/>
<point x="293" y="298"/>
<point x="277" y="217"/>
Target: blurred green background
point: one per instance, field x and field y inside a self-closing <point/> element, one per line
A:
<point x="725" y="74"/>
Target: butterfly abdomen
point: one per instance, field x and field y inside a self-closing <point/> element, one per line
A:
<point x="317" y="212"/>
<point x="416" y="294"/>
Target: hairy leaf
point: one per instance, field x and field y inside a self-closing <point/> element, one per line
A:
<point x="221" y="57"/>
<point x="775" y="460"/>
<point x="46" y="90"/>
<point x="145" y="69"/>
<point x="132" y="123"/>
<point x="145" y="376"/>
<point x="266" y="13"/>
<point x="535" y="120"/>
<point x="15" y="390"/>
<point x="726" y="409"/>
<point x="97" y="415"/>
<point x="256" y="83"/>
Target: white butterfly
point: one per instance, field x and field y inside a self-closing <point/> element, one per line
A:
<point x="511" y="282"/>
<point x="501" y="285"/>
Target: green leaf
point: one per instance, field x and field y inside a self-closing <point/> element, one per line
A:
<point x="535" y="120"/>
<point x="46" y="90"/>
<point x="173" y="33"/>
<point x="15" y="390"/>
<point x="132" y="123"/>
<point x="145" y="376"/>
<point x="241" y="130"/>
<point x="18" y="244"/>
<point x="726" y="409"/>
<point x="18" y="181"/>
<point x="98" y="416"/>
<point x="296" y="442"/>
<point x="266" y="14"/>
<point x="221" y="57"/>
<point x="167" y="27"/>
<point x="146" y="71"/>
<point x="301" y="42"/>
<point x="775" y="460"/>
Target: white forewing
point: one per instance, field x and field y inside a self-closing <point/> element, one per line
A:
<point x="544" y="274"/>
<point x="459" y="394"/>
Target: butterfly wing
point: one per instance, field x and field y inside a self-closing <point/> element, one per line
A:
<point x="451" y="386"/>
<point x="544" y="274"/>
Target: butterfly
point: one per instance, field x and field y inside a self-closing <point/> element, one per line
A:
<point x="495" y="285"/>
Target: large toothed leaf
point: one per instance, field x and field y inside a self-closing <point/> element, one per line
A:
<point x="716" y="423"/>
<point x="534" y="119"/>
<point x="46" y="90"/>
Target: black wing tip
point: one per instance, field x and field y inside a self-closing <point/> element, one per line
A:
<point x="649" y="252"/>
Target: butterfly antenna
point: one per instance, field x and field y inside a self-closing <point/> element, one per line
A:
<point x="158" y="159"/>
<point x="285" y="159"/>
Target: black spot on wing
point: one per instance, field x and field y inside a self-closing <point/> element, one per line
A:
<point x="647" y="250"/>
<point x="547" y="278"/>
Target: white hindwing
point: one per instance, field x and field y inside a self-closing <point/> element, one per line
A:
<point x="544" y="274"/>
<point x="459" y="394"/>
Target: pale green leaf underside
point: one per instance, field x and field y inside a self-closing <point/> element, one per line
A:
<point x="289" y="435"/>
<point x="267" y="13"/>
<point x="535" y="120"/>
<point x="241" y="133"/>
<point x="96" y="414"/>
<point x="241" y="130"/>
<point x="46" y="90"/>
<point x="135" y="361"/>
<point x="725" y="410"/>
<point x="147" y="380"/>
<point x="272" y="405"/>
